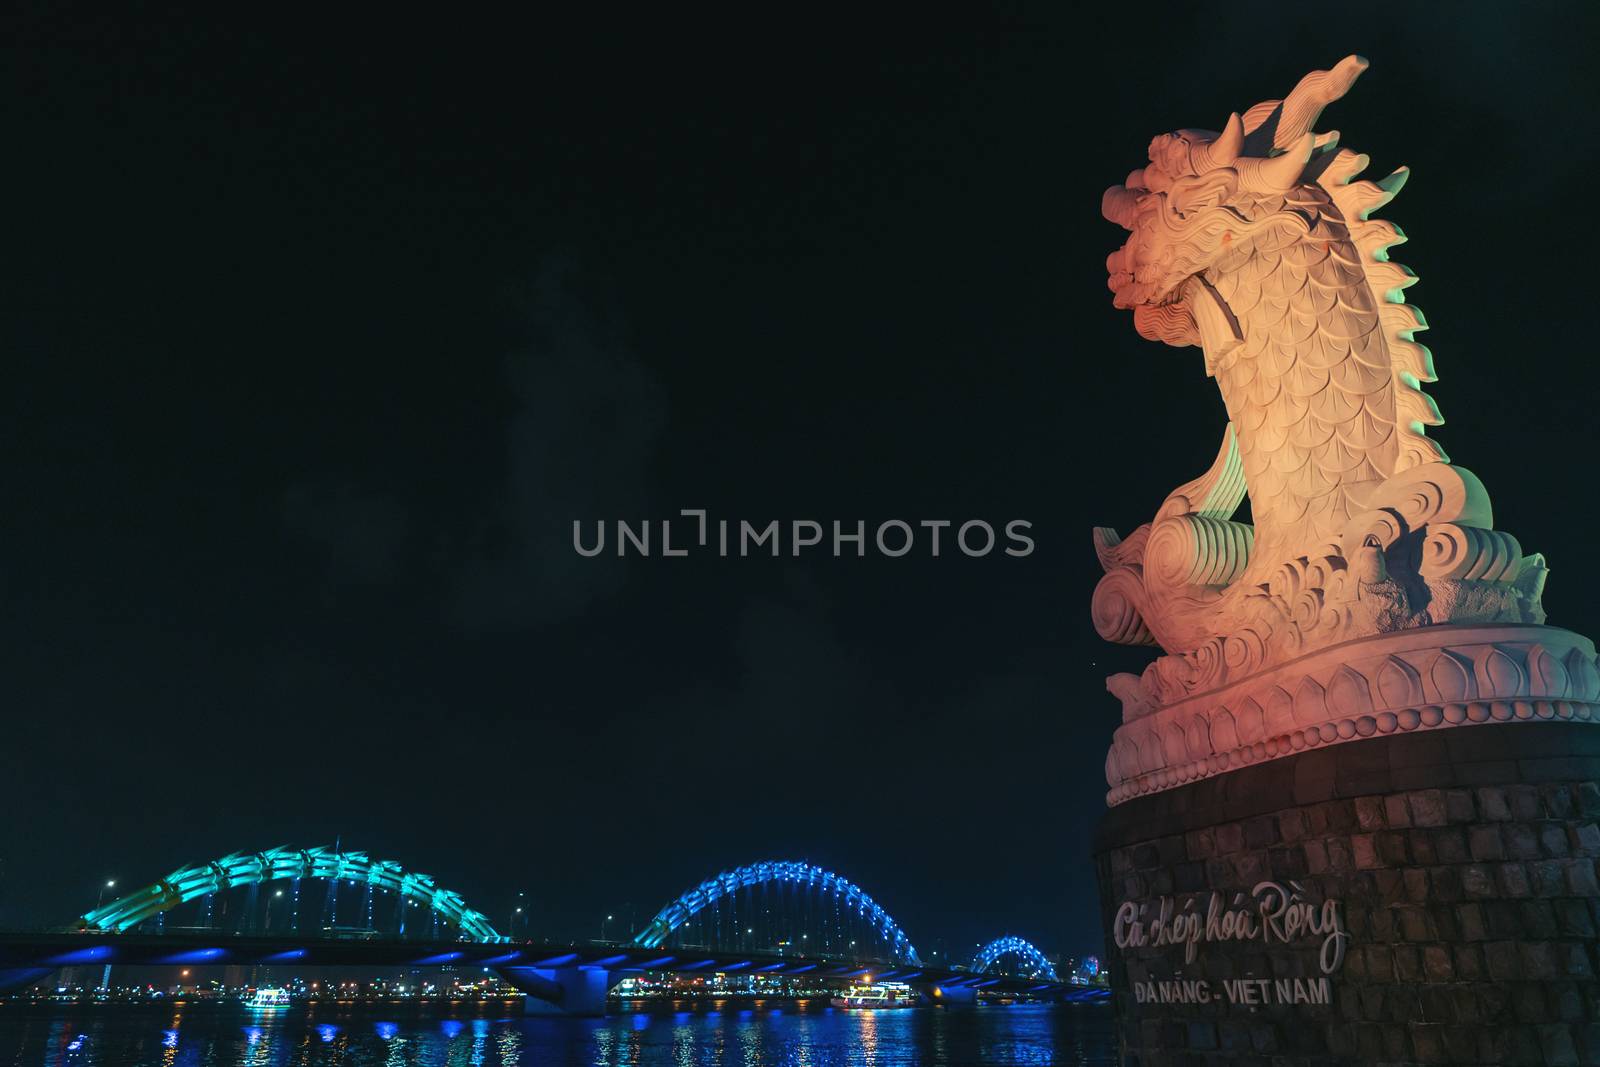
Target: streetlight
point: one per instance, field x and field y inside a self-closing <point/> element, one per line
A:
<point x="111" y="883"/>
<point x="607" y="919"/>
<point x="521" y="896"/>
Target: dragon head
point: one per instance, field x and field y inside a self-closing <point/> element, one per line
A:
<point x="1205" y="195"/>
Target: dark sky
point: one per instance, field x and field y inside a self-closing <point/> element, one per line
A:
<point x="317" y="338"/>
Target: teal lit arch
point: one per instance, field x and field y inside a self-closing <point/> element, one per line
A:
<point x="256" y="868"/>
<point x="727" y="883"/>
<point x="1032" y="959"/>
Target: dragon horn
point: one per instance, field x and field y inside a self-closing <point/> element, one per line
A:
<point x="1221" y="152"/>
<point x="1278" y="174"/>
<point x="1278" y="124"/>
<point x="1303" y="106"/>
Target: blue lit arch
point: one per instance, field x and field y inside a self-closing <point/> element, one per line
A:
<point x="1033" y="960"/>
<point x="727" y="883"/>
<point x="255" y="868"/>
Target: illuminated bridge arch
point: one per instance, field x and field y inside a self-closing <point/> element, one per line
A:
<point x="1033" y="960"/>
<point x="803" y="875"/>
<point x="255" y="868"/>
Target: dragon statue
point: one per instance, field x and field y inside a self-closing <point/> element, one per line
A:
<point x="1258" y="245"/>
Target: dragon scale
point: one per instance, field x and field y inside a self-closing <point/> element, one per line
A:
<point x="1314" y="411"/>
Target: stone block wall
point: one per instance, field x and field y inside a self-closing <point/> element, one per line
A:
<point x="1466" y="864"/>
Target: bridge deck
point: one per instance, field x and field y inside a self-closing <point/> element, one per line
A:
<point x="53" y="950"/>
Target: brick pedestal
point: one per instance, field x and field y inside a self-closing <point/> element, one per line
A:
<point x="1464" y="862"/>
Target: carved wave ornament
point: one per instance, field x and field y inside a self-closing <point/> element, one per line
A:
<point x="1257" y="244"/>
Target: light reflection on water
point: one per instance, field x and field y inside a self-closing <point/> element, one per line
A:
<point x="213" y="1035"/>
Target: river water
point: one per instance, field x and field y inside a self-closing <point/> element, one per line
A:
<point x="495" y="1035"/>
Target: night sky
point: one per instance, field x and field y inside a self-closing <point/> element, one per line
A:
<point x="318" y="337"/>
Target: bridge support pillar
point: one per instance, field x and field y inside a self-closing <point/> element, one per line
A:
<point x="561" y="990"/>
<point x="956" y="995"/>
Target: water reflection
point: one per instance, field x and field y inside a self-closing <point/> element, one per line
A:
<point x="683" y="1035"/>
<point x="868" y="1040"/>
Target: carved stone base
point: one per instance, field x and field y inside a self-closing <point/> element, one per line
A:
<point x="1429" y="678"/>
<point x="1460" y="866"/>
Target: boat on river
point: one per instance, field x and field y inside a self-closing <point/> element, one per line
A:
<point x="268" y="998"/>
<point x="883" y="995"/>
